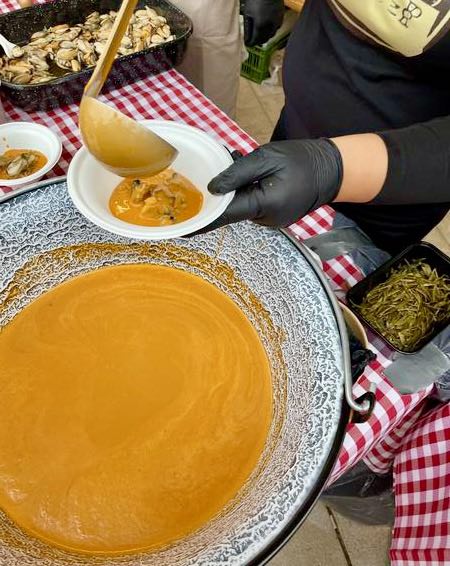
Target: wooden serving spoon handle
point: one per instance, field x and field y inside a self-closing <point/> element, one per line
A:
<point x="106" y="59"/>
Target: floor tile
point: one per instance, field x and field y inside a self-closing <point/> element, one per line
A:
<point x="263" y="136"/>
<point x="271" y="99"/>
<point x="246" y="97"/>
<point x="265" y="92"/>
<point x="255" y="122"/>
<point x="436" y="237"/>
<point x="366" y="545"/>
<point x="444" y="227"/>
<point x="314" y="544"/>
<point x="244" y="85"/>
<point x="272" y="106"/>
<point x="258" y="109"/>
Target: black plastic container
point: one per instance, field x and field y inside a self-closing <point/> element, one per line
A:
<point x="431" y="255"/>
<point x="18" y="26"/>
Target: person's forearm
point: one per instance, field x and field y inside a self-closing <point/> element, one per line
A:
<point x="405" y="166"/>
<point x="365" y="164"/>
<point x="283" y="181"/>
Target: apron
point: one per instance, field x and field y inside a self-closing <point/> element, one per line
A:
<point x="213" y="57"/>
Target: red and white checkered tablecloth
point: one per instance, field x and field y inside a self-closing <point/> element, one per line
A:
<point x="422" y="493"/>
<point x="394" y="434"/>
<point x="378" y="440"/>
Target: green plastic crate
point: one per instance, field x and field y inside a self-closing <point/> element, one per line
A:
<point x="256" y="67"/>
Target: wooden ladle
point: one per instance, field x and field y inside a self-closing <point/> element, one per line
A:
<point x="122" y="145"/>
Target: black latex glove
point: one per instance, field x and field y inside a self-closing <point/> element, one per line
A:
<point x="360" y="357"/>
<point x="280" y="182"/>
<point x="262" y="18"/>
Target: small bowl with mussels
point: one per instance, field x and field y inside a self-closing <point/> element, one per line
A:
<point x="27" y="152"/>
<point x="171" y="204"/>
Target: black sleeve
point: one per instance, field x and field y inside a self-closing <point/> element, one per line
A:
<point x="419" y="164"/>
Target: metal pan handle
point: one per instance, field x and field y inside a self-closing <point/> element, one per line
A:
<point x="362" y="407"/>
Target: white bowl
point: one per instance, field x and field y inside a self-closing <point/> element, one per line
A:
<point x="355" y="325"/>
<point x="28" y="135"/>
<point x="200" y="158"/>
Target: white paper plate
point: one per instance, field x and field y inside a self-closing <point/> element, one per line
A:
<point x="200" y="158"/>
<point x="28" y="135"/>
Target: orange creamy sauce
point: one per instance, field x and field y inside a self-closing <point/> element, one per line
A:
<point x="40" y="161"/>
<point x="161" y="200"/>
<point x="136" y="402"/>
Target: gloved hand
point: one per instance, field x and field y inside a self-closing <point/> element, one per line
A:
<point x="280" y="182"/>
<point x="262" y="18"/>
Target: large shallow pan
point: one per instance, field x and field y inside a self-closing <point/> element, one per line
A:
<point x="44" y="240"/>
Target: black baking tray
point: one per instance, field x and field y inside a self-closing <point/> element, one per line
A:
<point x="18" y="26"/>
<point x="431" y="255"/>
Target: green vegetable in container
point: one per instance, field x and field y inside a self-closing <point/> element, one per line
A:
<point x="407" y="306"/>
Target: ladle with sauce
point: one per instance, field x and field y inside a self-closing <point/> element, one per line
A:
<point x="119" y="143"/>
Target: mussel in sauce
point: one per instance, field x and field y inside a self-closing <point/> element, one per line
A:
<point x="18" y="163"/>
<point x="164" y="199"/>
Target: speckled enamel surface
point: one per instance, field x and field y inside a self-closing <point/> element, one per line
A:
<point x="303" y="345"/>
